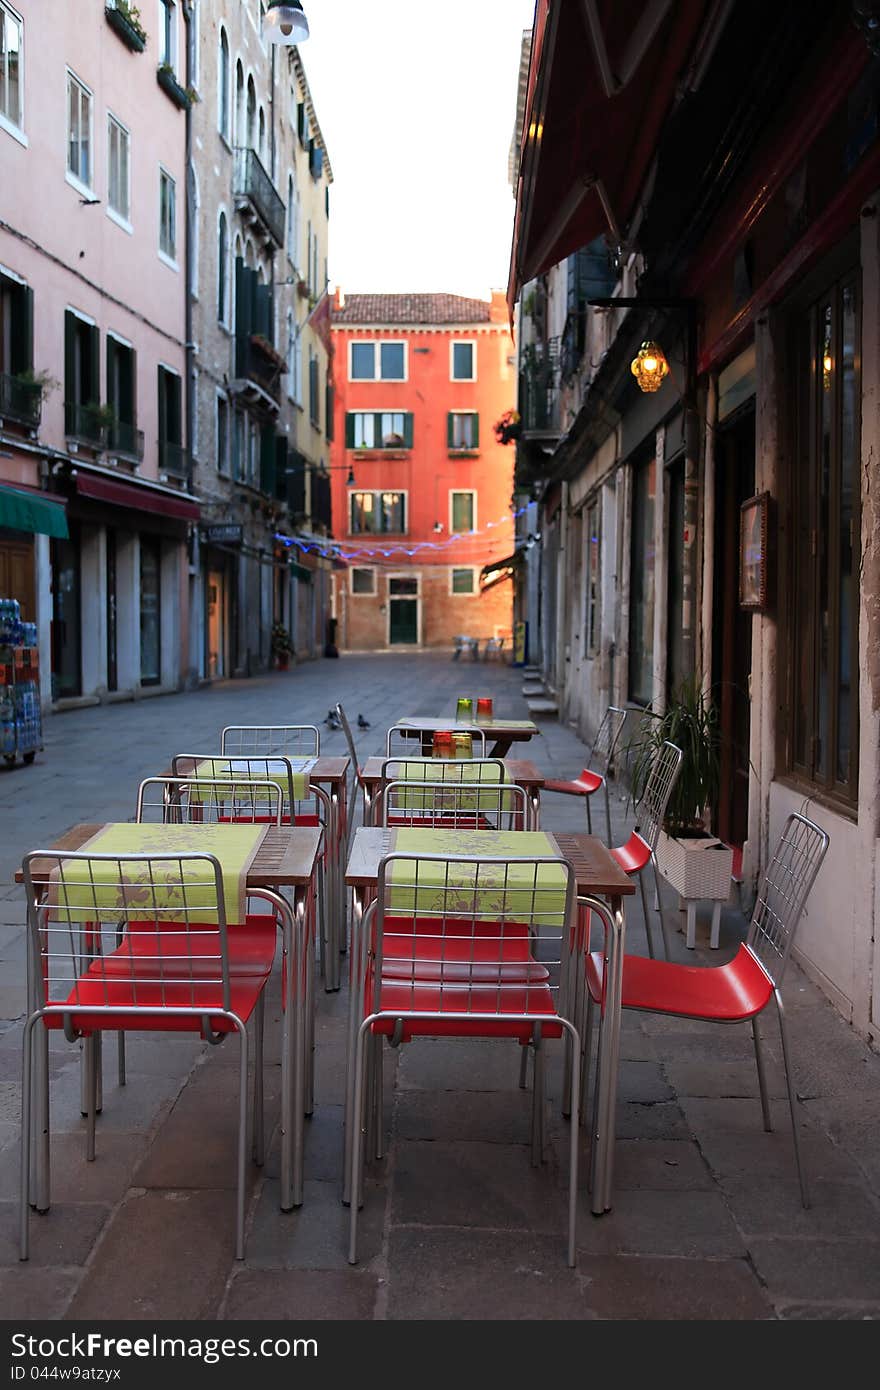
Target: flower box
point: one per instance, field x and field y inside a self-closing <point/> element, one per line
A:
<point x="170" y="85"/>
<point x="130" y="33"/>
<point x="696" y="868"/>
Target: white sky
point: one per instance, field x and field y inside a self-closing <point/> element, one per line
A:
<point x="416" y="100"/>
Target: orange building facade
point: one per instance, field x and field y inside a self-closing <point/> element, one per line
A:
<point x="421" y="487"/>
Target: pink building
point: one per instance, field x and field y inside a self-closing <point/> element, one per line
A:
<point x="93" y="421"/>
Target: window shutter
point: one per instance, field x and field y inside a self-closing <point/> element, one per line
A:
<point x="475" y="431"/>
<point x="450" y="430"/>
<point x="302" y="125"/>
<point x="263" y="310"/>
<point x="129" y="382"/>
<point x="329" y="402"/>
<point x="23" y="345"/>
<point x="70" y="358"/>
<point x="111" y="375"/>
<point x="267" y="460"/>
<point x="94" y="392"/>
<point x="163" y="407"/>
<point x="349" y="429"/>
<point x="280" y="467"/>
<point x="408" y="430"/>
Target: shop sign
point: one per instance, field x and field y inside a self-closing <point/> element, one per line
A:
<point x="223" y="535"/>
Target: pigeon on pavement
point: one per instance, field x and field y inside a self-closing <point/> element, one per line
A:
<point x="332" y="720"/>
<point x="362" y="722"/>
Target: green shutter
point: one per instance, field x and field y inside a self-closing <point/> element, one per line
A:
<point x="267" y="460"/>
<point x="69" y="358"/>
<point x="263" y="310"/>
<point x="476" y="438"/>
<point x="94" y="391"/>
<point x="111" y="375"/>
<point x="408" y="430"/>
<point x="450" y="425"/>
<point x="175" y="410"/>
<point x="129" y="384"/>
<point x="349" y="429"/>
<point x="163" y="406"/>
<point x="23" y="346"/>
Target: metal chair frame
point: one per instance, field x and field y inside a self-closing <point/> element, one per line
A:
<point x="356" y="781"/>
<point x="602" y="751"/>
<point x="454" y="805"/>
<point x="650" y="809"/>
<point x="470" y="990"/>
<point x="408" y="732"/>
<point x="786" y="885"/>
<point x="270" y="740"/>
<point x="252" y="801"/>
<point x="79" y="948"/>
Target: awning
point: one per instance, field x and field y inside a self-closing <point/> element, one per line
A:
<point x="28" y="511"/>
<point x="602" y="77"/>
<point x="499" y="570"/>
<point x="136" y="497"/>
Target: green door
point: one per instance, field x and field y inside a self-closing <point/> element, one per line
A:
<point x="403" y="605"/>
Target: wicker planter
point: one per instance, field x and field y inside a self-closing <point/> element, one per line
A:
<point x="122" y="25"/>
<point x="698" y="868"/>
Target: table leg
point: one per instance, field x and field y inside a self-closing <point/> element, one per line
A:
<point x="716" y="925"/>
<point x="355" y="975"/>
<point x="500" y="748"/>
<point x="602" y="1160"/>
<point x="691" y="938"/>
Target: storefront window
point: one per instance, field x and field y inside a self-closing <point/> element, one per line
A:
<point x="641" y="591"/>
<point x="150" y="612"/>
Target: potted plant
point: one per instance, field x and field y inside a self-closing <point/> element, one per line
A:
<point x="507" y="427"/>
<point x="282" y="648"/>
<point x="689" y="856"/>
<point x="125" y="19"/>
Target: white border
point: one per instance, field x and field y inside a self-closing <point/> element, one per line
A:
<point x="458" y="593"/>
<point x="113" y="213"/>
<point x="355" y="593"/>
<point x="456" y="342"/>
<point x="378" y="343"/>
<point x="400" y="491"/>
<point x="454" y="491"/>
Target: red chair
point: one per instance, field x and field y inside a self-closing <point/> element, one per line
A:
<point x="443" y="951"/>
<point x="591" y="780"/>
<point x="741" y="990"/>
<point x="638" y="852"/>
<point x="136" y="942"/>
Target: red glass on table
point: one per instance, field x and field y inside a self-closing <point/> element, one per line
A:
<point x="443" y="744"/>
<point x="484" y="708"/>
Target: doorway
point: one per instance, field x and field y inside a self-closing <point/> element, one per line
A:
<point x="403" y="611"/>
<point x="215" y="627"/>
<point x="732" y="641"/>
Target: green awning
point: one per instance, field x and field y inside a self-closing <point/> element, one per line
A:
<point x="25" y="511"/>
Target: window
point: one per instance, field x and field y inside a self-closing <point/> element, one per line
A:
<point x="82" y="385"/>
<point x="173" y="458"/>
<point x="822" y="570"/>
<point x="329" y="410"/>
<point x="223" y="270"/>
<point x="239" y="103"/>
<point x="462" y="581"/>
<point x="238" y="446"/>
<point x="118" y="169"/>
<point x="641" y="593"/>
<point x="11" y="73"/>
<point x="121" y="397"/>
<point x="167" y="34"/>
<point x="223" y="87"/>
<point x="377" y="362"/>
<point x="292" y="221"/>
<point x="253" y="452"/>
<point x="462" y="511"/>
<point x="167" y="216"/>
<point x="222" y="436"/>
<point x="150" y="596"/>
<point x="463" y="430"/>
<point x="377" y="513"/>
<point x="462" y="362"/>
<point x="592" y="572"/>
<point x="194" y="25"/>
<point x="79" y="131"/>
<point x="363" y="581"/>
<point x="388" y="429"/>
<point x="16" y="326"/>
<point x="314" y="390"/>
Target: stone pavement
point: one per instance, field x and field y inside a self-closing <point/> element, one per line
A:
<point x="707" y="1221"/>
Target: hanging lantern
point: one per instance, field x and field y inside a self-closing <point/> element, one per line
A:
<point x="650" y="367"/>
<point x="285" y="23"/>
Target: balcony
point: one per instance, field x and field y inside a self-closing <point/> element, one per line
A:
<point x="258" y="371"/>
<point x="125" y="442"/>
<point x="174" y="461"/>
<point x="539" y="404"/>
<point x="21" y="401"/>
<point x="85" y="424"/>
<point x="255" y="194"/>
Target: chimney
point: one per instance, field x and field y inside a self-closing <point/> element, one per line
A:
<point x="339" y="298"/>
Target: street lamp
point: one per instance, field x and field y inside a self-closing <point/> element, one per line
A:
<point x="285" y="23"/>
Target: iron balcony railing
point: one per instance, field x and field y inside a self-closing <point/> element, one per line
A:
<point x="126" y="441"/>
<point x="254" y="363"/>
<point x="539" y="405"/>
<point x="85" y="423"/>
<point x="20" y="400"/>
<point x="174" y="460"/>
<point x="252" y="183"/>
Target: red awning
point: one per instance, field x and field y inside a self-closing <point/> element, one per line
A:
<point x="602" y="77"/>
<point x="137" y="497"/>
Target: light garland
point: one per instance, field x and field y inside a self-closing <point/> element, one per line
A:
<point x="336" y="551"/>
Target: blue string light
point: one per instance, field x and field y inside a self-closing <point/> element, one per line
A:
<point x="336" y="551"/>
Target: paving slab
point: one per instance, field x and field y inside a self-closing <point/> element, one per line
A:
<point x="298" y="1296"/>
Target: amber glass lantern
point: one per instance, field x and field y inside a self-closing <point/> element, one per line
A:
<point x="650" y="367"/>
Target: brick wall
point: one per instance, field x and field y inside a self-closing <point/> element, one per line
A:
<point x="363" y="618"/>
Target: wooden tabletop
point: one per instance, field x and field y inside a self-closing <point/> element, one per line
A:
<point x="285" y="857"/>
<point x="522" y="772"/>
<point x="596" y="870"/>
<point x="332" y="770"/>
<point x="517" y="729"/>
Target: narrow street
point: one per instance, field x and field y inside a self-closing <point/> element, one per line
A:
<point x="707" y="1221"/>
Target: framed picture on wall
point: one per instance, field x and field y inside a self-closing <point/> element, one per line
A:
<point x="753" y="557"/>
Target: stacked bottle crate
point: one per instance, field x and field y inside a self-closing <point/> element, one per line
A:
<point x="21" y="731"/>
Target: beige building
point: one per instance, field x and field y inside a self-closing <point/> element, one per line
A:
<point x="259" y="370"/>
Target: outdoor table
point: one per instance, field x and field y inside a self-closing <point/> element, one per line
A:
<point x="520" y="772"/>
<point x="597" y="874"/>
<point x="286" y="857"/>
<point x="504" y="731"/>
<point x="327" y="776"/>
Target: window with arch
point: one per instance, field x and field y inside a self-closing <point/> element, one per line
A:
<point x="262" y="137"/>
<point x="223" y="86"/>
<point x="223" y="270"/>
<point x="251" y="118"/>
<point x="239" y="103"/>
<point x="292" y="220"/>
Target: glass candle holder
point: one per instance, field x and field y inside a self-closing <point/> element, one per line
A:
<point x="484" y="708"/>
<point x="464" y="708"/>
<point x="443" y="746"/>
<point x="462" y="744"/>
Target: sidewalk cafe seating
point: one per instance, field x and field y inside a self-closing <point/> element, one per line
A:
<point x="741" y="990"/>
<point x="638" y="852"/>
<point x="597" y="771"/>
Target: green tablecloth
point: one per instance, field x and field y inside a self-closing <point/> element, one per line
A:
<point x="224" y="772"/>
<point x="449" y="771"/>
<point x="86" y="891"/>
<point x="516" y="892"/>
